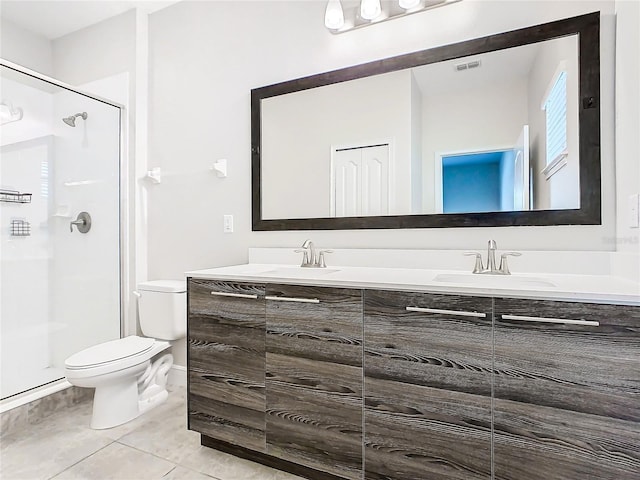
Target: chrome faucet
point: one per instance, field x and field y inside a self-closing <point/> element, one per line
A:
<point x="491" y="257"/>
<point x="311" y="258"/>
<point x="491" y="269"/>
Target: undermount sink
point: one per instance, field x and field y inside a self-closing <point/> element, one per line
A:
<point x="299" y="272"/>
<point x="484" y="280"/>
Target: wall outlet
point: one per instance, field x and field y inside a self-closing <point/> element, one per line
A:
<point x="227" y="224"/>
<point x="634" y="210"/>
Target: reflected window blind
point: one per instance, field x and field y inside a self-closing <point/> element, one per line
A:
<point x="556" y="117"/>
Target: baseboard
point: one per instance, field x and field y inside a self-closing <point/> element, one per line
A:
<point x="177" y="376"/>
<point x="268" y="460"/>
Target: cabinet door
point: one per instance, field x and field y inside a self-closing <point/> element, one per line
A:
<point x="428" y="368"/>
<point x="567" y="395"/>
<point x="226" y="361"/>
<point x="314" y="377"/>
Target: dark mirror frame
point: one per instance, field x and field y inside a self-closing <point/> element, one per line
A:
<point x="587" y="27"/>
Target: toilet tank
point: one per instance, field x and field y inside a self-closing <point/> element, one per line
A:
<point x="163" y="309"/>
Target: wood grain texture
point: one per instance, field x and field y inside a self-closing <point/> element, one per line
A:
<point x="567" y="397"/>
<point x="226" y="358"/>
<point x="427" y="387"/>
<point x="314" y="378"/>
<point x="268" y="460"/>
<point x="418" y="432"/>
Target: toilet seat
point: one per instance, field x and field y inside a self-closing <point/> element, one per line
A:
<point x="109" y="352"/>
<point x="112" y="356"/>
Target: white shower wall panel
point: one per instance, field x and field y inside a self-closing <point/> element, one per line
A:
<point x="86" y="297"/>
<point x="25" y="264"/>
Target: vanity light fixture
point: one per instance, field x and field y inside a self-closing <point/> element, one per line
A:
<point x="370" y="9"/>
<point x="408" y="4"/>
<point x="333" y="15"/>
<point x="344" y="15"/>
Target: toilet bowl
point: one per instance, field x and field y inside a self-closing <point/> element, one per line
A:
<point x="126" y="380"/>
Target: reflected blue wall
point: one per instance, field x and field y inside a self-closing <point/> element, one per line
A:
<point x="507" y="173"/>
<point x="474" y="183"/>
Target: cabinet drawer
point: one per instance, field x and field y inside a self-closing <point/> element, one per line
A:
<point x="597" y="362"/>
<point x="317" y="323"/>
<point x="226" y="358"/>
<point x="566" y="394"/>
<point x="314" y="377"/>
<point x="428" y="368"/>
<point x="216" y="297"/>
<point x="443" y="341"/>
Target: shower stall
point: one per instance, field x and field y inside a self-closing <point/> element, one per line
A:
<point x="60" y="238"/>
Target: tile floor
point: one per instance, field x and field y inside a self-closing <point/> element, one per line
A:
<point x="156" y="445"/>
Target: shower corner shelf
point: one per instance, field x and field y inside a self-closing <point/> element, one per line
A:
<point x="13" y="196"/>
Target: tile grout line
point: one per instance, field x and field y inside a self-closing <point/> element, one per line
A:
<point x="81" y="460"/>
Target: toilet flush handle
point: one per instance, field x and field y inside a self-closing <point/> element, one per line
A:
<point x="137" y="293"/>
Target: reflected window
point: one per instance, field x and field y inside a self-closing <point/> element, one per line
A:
<point x="555" y="107"/>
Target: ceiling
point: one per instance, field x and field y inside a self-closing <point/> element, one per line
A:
<point x="56" y="18"/>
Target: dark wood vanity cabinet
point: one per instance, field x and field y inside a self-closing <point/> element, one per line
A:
<point x="345" y="383"/>
<point x="567" y="395"/>
<point x="226" y="362"/>
<point x="427" y="386"/>
<point x="314" y="377"/>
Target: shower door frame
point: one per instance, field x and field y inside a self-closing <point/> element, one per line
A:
<point x="123" y="207"/>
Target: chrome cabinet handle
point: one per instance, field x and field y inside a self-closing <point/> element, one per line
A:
<point x="291" y="299"/>
<point x="524" y="318"/>
<point x="235" y="295"/>
<point x="447" y="312"/>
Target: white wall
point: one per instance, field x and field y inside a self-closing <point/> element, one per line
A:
<point x="477" y="119"/>
<point x="25" y="48"/>
<point x="300" y="129"/>
<point x="206" y="56"/>
<point x="627" y="121"/>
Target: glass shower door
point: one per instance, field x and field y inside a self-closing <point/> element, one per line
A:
<point x="59" y="273"/>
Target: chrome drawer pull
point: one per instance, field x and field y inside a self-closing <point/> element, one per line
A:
<point x="550" y="320"/>
<point x="291" y="299"/>
<point x="235" y="295"/>
<point x="447" y="312"/>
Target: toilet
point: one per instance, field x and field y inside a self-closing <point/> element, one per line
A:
<point x="127" y="382"/>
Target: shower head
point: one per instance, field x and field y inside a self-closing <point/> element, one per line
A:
<point x="71" y="121"/>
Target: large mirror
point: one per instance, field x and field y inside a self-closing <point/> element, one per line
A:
<point x="502" y="130"/>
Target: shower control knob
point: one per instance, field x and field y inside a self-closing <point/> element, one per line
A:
<point x="83" y="223"/>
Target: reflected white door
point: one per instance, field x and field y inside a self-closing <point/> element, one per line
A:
<point x="347" y="183"/>
<point x="521" y="174"/>
<point x="360" y="181"/>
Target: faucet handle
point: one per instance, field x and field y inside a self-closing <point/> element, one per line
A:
<point x="321" y="263"/>
<point x="478" y="267"/>
<point x="504" y="266"/>
<point x="305" y="256"/>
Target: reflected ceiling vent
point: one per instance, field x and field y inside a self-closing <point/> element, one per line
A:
<point x="467" y="66"/>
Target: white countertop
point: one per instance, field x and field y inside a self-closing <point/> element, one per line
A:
<point x="583" y="288"/>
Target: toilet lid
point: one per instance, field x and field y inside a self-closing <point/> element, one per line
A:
<point x="109" y="352"/>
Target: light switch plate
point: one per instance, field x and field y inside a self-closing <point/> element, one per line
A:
<point x="228" y="224"/>
<point x="634" y="210"/>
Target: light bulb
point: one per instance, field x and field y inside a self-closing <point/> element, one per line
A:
<point x="370" y="9"/>
<point x="408" y="4"/>
<point x="333" y="15"/>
